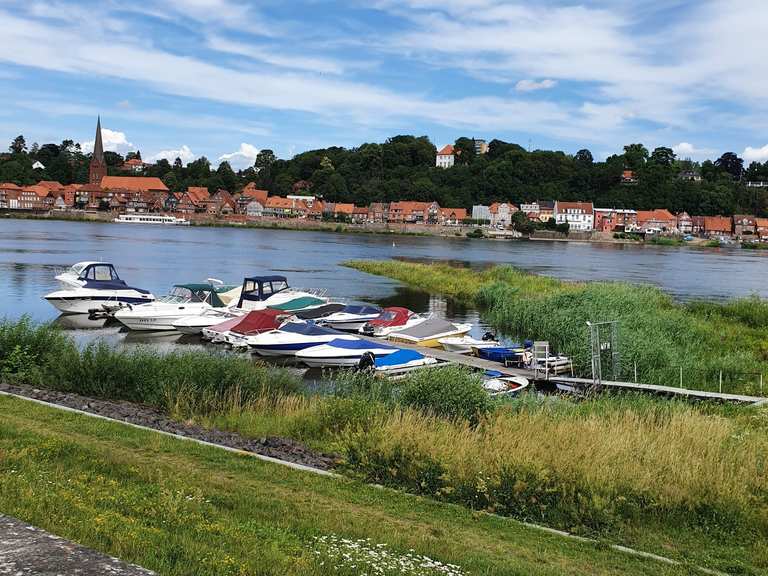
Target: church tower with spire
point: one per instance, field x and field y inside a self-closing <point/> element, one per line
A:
<point x="98" y="168"/>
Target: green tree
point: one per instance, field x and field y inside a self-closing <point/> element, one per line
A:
<point x="464" y="150"/>
<point x="635" y="156"/>
<point x="731" y="164"/>
<point x="663" y="156"/>
<point x="19" y="145"/>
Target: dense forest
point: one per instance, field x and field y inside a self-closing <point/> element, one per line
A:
<point x="403" y="168"/>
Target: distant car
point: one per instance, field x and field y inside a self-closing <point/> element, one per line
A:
<point x="687" y="237"/>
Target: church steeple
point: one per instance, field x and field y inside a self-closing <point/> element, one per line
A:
<point x="98" y="168"/>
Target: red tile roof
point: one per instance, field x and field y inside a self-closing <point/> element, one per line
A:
<point x="446" y="150"/>
<point x="717" y="224"/>
<point x="659" y="214"/>
<point x="251" y="191"/>
<point x="340" y="208"/>
<point x="9" y="186"/>
<point x="133" y="183"/>
<point x="586" y="206"/>
<point x="278" y="202"/>
<point x="198" y="194"/>
<point x="456" y="213"/>
<point x="51" y="184"/>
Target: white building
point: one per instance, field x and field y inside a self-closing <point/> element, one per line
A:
<point x="481" y="212"/>
<point x="445" y="158"/>
<point x="501" y="213"/>
<point x="579" y="215"/>
<point x="38" y="165"/>
<point x="254" y="209"/>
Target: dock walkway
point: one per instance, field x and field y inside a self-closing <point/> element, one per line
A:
<point x="583" y="383"/>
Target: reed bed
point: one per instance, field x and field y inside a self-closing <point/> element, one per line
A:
<point x="657" y="336"/>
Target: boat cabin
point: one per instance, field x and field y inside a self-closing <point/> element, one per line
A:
<point x="198" y="293"/>
<point x="98" y="271"/>
<point x="392" y="316"/>
<point x="259" y="288"/>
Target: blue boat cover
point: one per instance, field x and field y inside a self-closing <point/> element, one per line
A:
<point x="358" y="344"/>
<point x="493" y="374"/>
<point x="111" y="285"/>
<point x="307" y="329"/>
<point x="363" y="309"/>
<point x="399" y="357"/>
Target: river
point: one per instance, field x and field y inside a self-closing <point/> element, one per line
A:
<point x="155" y="257"/>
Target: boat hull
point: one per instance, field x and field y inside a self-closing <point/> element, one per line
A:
<point x="428" y="342"/>
<point x="68" y="303"/>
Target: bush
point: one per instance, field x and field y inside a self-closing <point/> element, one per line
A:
<point x="453" y="392"/>
<point x="476" y="233"/>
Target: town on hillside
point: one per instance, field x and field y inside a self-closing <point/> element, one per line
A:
<point x="107" y="195"/>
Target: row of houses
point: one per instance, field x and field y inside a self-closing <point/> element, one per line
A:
<point x="584" y="217"/>
<point x="135" y="194"/>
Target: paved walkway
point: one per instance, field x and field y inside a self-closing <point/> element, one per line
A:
<point x="29" y="551"/>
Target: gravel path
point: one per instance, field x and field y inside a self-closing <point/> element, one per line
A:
<point x="27" y="551"/>
<point x="273" y="446"/>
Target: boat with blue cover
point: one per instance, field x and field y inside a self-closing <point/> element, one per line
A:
<point x="401" y="361"/>
<point x="293" y="337"/>
<point x="88" y="286"/>
<point x="343" y="352"/>
<point x="504" y="354"/>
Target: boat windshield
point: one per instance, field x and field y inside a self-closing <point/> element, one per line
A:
<point x="179" y="294"/>
<point x="388" y="315"/>
<point x="98" y="272"/>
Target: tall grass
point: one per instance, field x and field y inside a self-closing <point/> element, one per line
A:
<point x="657" y="336"/>
<point x="178" y="382"/>
<point x="593" y="467"/>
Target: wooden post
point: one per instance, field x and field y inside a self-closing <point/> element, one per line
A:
<point x="721" y="381"/>
<point x="681" y="376"/>
<point x="761" y="383"/>
<point x="635" y="373"/>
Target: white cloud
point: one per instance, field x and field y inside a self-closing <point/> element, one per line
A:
<point x="184" y="153"/>
<point x="112" y="140"/>
<point x="241" y="158"/>
<point x="755" y="154"/>
<point x="685" y="150"/>
<point x="275" y="57"/>
<point x="532" y="85"/>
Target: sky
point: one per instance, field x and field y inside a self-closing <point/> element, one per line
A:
<point x="227" y="78"/>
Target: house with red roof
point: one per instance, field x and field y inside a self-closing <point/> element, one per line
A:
<point x="717" y="225"/>
<point x="278" y="207"/>
<point x="501" y="213"/>
<point x="615" y="219"/>
<point x="8" y="190"/>
<point x="580" y="216"/>
<point x="761" y="226"/>
<point x="193" y="199"/>
<point x="684" y="223"/>
<point x="411" y="212"/>
<point x="744" y="225"/>
<point x="135" y="165"/>
<point x="360" y="214"/>
<point x="452" y="216"/>
<point x="445" y="157"/>
<point x="656" y="221"/>
<point x="221" y="202"/>
<point x="378" y="212"/>
<point x="248" y="194"/>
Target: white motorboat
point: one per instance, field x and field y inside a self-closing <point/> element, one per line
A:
<point x="254" y="322"/>
<point x="497" y="384"/>
<point x="343" y="352"/>
<point x="292" y="337"/>
<point x="392" y="319"/>
<point x="192" y="325"/>
<point x="90" y="286"/>
<point x="429" y="332"/>
<point x="351" y="318"/>
<point x="259" y="292"/>
<point x="402" y="361"/>
<point x="184" y="300"/>
<point x="464" y="344"/>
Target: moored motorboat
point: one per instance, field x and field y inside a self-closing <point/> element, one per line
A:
<point x="514" y="353"/>
<point x="497" y="384"/>
<point x="402" y="361"/>
<point x="464" y="344"/>
<point x="259" y="292"/>
<point x="192" y="325"/>
<point x="183" y="300"/>
<point x="391" y="319"/>
<point x="292" y="337"/>
<point x="351" y="318"/>
<point x="254" y="322"/>
<point x="343" y="352"/>
<point x="429" y="332"/>
<point x="88" y="286"/>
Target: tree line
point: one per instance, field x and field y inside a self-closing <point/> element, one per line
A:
<point x="403" y="168"/>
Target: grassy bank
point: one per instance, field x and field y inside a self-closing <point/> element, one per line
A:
<point x="656" y="334"/>
<point x="681" y="480"/>
<point x="179" y="508"/>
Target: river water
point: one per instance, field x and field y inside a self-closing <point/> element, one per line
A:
<point x="155" y="257"/>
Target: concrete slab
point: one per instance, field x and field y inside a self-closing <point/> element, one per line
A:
<point x="29" y="551"/>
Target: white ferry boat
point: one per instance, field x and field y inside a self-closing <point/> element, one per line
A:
<point x="144" y="218"/>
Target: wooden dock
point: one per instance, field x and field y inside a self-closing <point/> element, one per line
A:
<point x="582" y="383"/>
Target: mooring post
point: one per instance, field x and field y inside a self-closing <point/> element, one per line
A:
<point x="635" y="380"/>
<point x="721" y="381"/>
<point x="681" y="376"/>
<point x="761" y="383"/>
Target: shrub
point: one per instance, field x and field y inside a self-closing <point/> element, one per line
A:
<point x="453" y="392"/>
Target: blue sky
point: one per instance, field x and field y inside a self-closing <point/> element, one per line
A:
<point x="225" y="78"/>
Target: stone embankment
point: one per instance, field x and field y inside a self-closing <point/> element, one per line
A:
<point x="273" y="446"/>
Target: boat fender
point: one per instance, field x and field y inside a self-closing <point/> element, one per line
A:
<point x="367" y="361"/>
<point x="489" y="337"/>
